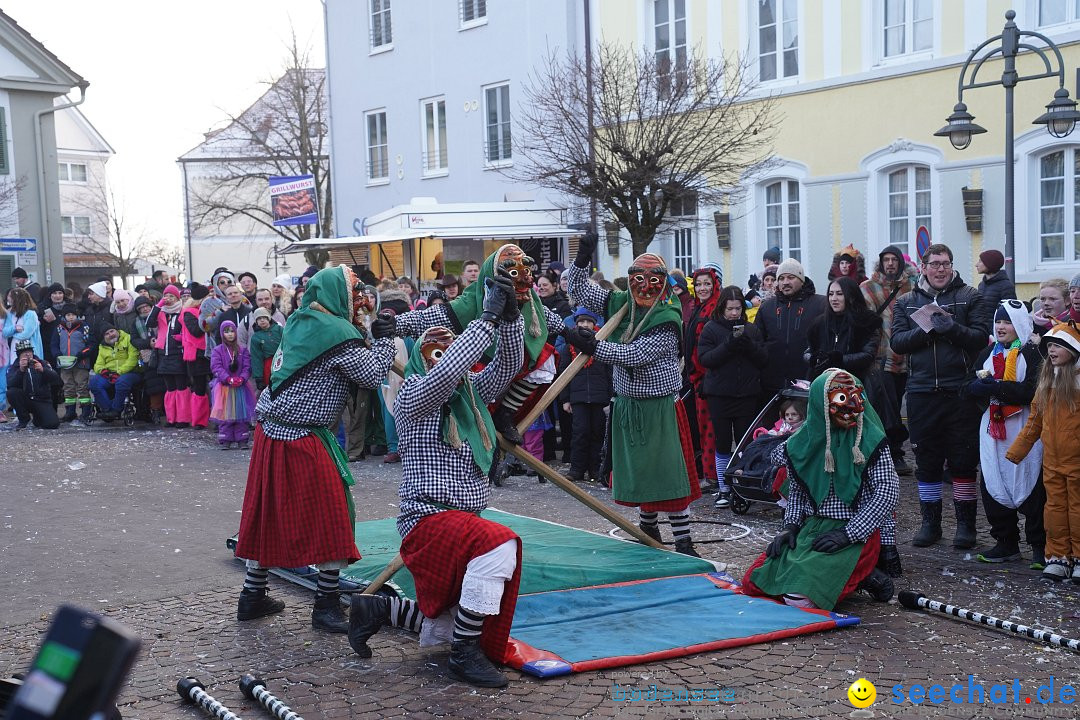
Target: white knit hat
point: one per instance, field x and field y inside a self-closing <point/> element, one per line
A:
<point x="99" y="288"/>
<point x="791" y="266"/>
<point x="284" y="280"/>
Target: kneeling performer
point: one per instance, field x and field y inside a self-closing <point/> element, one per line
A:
<point x="466" y="569"/>
<point x="842" y="486"/>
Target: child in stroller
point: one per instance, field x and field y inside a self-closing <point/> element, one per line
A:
<point x="751" y="475"/>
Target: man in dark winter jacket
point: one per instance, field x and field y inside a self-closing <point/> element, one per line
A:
<point x="783" y="320"/>
<point x="20" y="278"/>
<point x="996" y="284"/>
<point x="942" y="325"/>
<point x="585" y="398"/>
<point x="29" y="388"/>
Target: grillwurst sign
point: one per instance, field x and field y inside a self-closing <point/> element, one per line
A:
<point x="292" y="200"/>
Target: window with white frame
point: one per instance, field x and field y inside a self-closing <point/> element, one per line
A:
<point x="75" y="225"/>
<point x="907" y="26"/>
<point x="1059" y="207"/>
<point x="433" y="136"/>
<point x="777" y="38"/>
<point x="684" y="209"/>
<point x="73" y="172"/>
<point x="669" y="37"/>
<point x="472" y="12"/>
<point x="783" y="223"/>
<point x="909" y="203"/>
<point x="1057" y="12"/>
<point x="382" y="34"/>
<point x="497" y="124"/>
<point x="378" y="155"/>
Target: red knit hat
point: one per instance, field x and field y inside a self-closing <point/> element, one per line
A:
<point x="993" y="260"/>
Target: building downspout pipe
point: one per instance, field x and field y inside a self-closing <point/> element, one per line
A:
<point x="39" y="147"/>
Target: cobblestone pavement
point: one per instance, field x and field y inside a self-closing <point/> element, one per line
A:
<point x="132" y="523"/>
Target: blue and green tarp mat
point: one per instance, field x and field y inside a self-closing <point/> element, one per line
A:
<point x="589" y="601"/>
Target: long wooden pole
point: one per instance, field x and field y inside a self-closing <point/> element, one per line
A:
<point x="541" y="468"/>
<point x="568" y="374"/>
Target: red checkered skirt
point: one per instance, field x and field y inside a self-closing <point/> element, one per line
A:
<point x="295" y="512"/>
<point x="438" y="549"/>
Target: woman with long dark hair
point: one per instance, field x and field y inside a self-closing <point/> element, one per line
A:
<point x="732" y="352"/>
<point x="707" y="283"/>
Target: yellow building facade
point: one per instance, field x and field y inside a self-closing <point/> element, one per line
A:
<point x="861" y="86"/>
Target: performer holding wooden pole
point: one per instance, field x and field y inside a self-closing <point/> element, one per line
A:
<point x="466" y="569"/>
<point x="653" y="460"/>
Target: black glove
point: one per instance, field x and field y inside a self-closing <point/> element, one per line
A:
<point x="830" y="542"/>
<point x="585" y="249"/>
<point x="982" y="387"/>
<point x="383" y="326"/>
<point x="512" y="311"/>
<point x="500" y="292"/>
<point x="584" y="340"/>
<point x="943" y="322"/>
<point x="787" y="538"/>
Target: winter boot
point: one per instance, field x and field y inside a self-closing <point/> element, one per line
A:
<point x="930" y="532"/>
<point x="327" y="614"/>
<point x="965" y="524"/>
<point x="182" y="398"/>
<point x="503" y="421"/>
<point x="652" y="531"/>
<point x="84" y="413"/>
<point x="469" y="663"/>
<point x="368" y="614"/>
<point x="69" y="413"/>
<point x="1038" y="557"/>
<point x="878" y="585"/>
<point x="1001" y="552"/>
<point x="256" y="604"/>
<point x="200" y="410"/>
<point x="686" y="547"/>
<point x="889" y="561"/>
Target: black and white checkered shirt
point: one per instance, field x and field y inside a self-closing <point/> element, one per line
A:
<point x="318" y="392"/>
<point x="646" y="367"/>
<point x="431" y="469"/>
<point x="874" y="505"/>
<point x="414" y="323"/>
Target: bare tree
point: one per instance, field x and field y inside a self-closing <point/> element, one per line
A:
<point x="125" y="244"/>
<point x="283" y="134"/>
<point x="661" y="134"/>
<point x="168" y="254"/>
<point x="10" y="188"/>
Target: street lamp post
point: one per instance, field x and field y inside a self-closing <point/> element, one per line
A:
<point x="1060" y="116"/>
<point x="276" y="253"/>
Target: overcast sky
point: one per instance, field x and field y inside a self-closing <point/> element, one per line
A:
<point x="161" y="74"/>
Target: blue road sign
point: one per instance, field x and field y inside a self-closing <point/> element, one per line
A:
<point x="18" y="244"/>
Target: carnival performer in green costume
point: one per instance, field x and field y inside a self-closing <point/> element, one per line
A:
<point x="842" y="487"/>
<point x="652" y="456"/>
<point x="297" y="506"/>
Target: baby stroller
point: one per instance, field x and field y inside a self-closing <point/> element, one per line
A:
<point x="750" y="474"/>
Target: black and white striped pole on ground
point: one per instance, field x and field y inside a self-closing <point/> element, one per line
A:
<point x="194" y="691"/>
<point x="915" y="601"/>
<point x="255" y="689"/>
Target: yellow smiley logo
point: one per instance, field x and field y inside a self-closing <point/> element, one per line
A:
<point x="862" y="693"/>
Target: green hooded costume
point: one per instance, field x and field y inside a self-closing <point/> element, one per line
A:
<point x="470" y="304"/>
<point x="823" y="457"/>
<point x="465" y="417"/>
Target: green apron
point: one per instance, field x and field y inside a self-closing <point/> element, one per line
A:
<point x="646" y="451"/>
<point x="341" y="460"/>
<point x="802" y="571"/>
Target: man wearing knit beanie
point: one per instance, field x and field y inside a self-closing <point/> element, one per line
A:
<point x="783" y="320"/>
<point x="996" y="284"/>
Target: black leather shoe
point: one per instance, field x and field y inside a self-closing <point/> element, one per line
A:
<point x="878" y="585"/>
<point x="328" y="616"/>
<point x="652" y="531"/>
<point x="367" y="615"/>
<point x="256" y="604"/>
<point x="469" y="663"/>
<point x="378" y="450"/>
<point x="686" y="547"/>
<point x="504" y="424"/>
